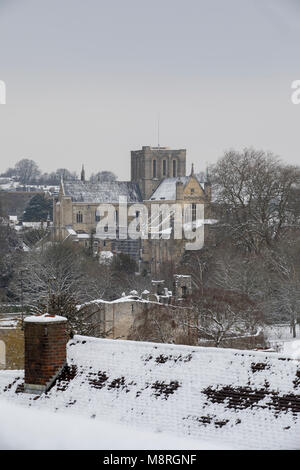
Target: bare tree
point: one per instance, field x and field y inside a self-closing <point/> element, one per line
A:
<point x="218" y="314"/>
<point x="58" y="279"/>
<point x="65" y="174"/>
<point x="199" y="265"/>
<point x="103" y="176"/>
<point x="27" y="170"/>
<point x="158" y="324"/>
<point x="283" y="287"/>
<point x="255" y="193"/>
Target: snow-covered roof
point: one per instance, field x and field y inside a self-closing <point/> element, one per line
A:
<point x="167" y="188"/>
<point x="45" y="318"/>
<point x="124" y="298"/>
<point x="247" y="398"/>
<point x="20" y="429"/>
<point x="104" y="192"/>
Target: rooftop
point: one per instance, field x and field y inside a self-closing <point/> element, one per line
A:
<point x="244" y="399"/>
<point x="166" y="190"/>
<point x="105" y="192"/>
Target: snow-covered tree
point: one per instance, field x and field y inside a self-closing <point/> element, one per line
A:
<point x="255" y="195"/>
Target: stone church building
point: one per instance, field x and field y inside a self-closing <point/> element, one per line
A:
<point x="158" y="176"/>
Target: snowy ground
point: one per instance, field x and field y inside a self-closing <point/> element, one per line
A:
<point x="24" y="429"/>
<point x="280" y="338"/>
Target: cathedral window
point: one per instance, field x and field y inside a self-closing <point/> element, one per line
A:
<point x="79" y="217"/>
<point x="174" y="168"/>
<point x="164" y="167"/>
<point x="154" y="168"/>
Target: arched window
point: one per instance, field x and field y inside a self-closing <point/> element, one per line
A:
<point x="154" y="168"/>
<point x="174" y="168"/>
<point x="79" y="217"/>
<point x="164" y="168"/>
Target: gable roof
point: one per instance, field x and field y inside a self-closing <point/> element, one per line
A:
<point x="247" y="398"/>
<point x="105" y="192"/>
<point x="166" y="190"/>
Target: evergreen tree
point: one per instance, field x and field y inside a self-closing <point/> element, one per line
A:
<point x="38" y="209"/>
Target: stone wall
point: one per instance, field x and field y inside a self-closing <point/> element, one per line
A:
<point x="13" y="340"/>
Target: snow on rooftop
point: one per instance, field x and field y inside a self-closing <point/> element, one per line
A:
<point x="243" y="399"/>
<point x="104" y="192"/>
<point x="45" y="318"/>
<point x="70" y="230"/>
<point x="166" y="190"/>
<point x="24" y="429"/>
<point x="8" y="323"/>
<point x="123" y="298"/>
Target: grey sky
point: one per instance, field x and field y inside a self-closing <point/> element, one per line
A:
<point x="86" y="80"/>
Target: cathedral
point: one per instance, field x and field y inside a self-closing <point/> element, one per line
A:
<point x="158" y="176"/>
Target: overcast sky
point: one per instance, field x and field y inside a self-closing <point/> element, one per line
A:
<point x="87" y="80"/>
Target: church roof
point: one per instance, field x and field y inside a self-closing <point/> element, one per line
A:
<point x="166" y="190"/>
<point x="102" y="192"/>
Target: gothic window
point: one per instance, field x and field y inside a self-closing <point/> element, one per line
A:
<point x="164" y="167"/>
<point x="154" y="168"/>
<point x="79" y="217"/>
<point x="172" y="220"/>
<point x="174" y="168"/>
<point x="194" y="212"/>
<point x="97" y="217"/>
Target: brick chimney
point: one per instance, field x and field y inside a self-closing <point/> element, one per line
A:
<point x="45" y="351"/>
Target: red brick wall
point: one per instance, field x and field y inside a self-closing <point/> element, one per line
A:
<point x="45" y="351"/>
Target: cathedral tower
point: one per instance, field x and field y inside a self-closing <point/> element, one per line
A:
<point x="152" y="164"/>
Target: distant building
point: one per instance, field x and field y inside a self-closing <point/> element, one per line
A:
<point x="151" y="165"/>
<point x="158" y="175"/>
